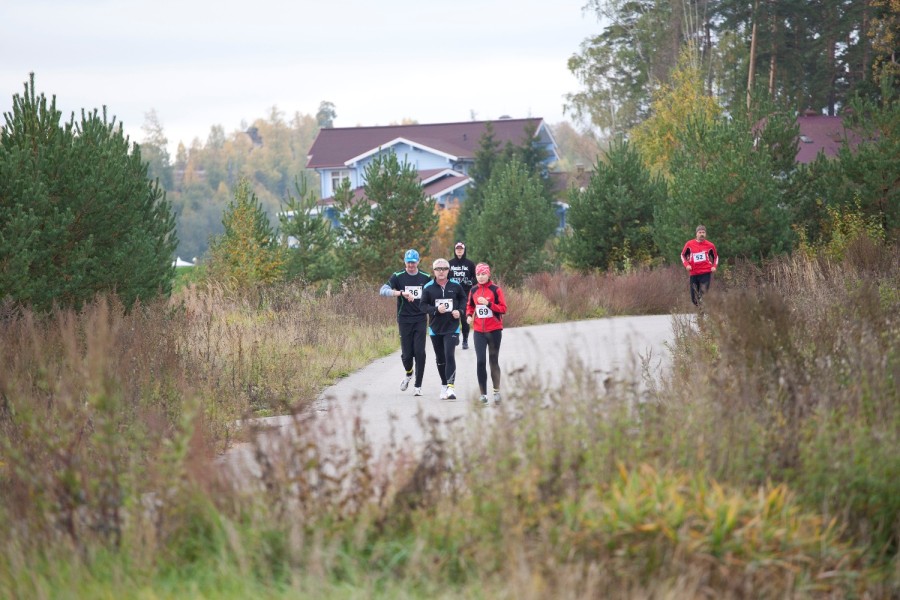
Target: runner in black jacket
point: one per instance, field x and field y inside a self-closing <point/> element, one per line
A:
<point x="407" y="286"/>
<point x="444" y="301"/>
<point x="462" y="271"/>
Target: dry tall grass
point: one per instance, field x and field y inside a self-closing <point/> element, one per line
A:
<point x="766" y="465"/>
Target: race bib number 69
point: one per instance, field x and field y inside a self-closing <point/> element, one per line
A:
<point x="483" y="312"/>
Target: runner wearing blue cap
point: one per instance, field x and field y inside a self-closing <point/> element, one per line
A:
<point x="407" y="286"/>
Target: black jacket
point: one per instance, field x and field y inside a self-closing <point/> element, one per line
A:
<point x="462" y="271"/>
<point x="452" y="292"/>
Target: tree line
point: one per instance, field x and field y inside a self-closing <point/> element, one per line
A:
<point x="804" y="55"/>
<point x="83" y="210"/>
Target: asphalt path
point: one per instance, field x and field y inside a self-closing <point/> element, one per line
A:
<point x="619" y="348"/>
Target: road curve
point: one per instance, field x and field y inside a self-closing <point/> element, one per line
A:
<point x="616" y="347"/>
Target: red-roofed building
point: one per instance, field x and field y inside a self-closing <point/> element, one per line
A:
<point x="442" y="153"/>
<point x="821" y="134"/>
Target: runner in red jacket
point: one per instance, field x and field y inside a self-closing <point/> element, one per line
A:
<point x="485" y="310"/>
<point x="700" y="258"/>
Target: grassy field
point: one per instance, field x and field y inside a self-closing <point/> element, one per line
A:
<point x="767" y="464"/>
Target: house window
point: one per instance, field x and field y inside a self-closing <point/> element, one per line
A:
<point x="337" y="177"/>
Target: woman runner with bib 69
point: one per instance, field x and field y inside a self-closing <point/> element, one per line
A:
<point x="485" y="309"/>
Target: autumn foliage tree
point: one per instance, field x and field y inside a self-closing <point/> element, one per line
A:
<point x="248" y="252"/>
<point x="674" y="105"/>
<point x="443" y="242"/>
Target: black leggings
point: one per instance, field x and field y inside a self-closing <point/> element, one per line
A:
<point x="445" y="354"/>
<point x="464" y="323"/>
<point x="412" y="345"/>
<point x="489" y="341"/>
<point x="699" y="286"/>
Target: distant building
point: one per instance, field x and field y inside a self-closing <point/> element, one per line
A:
<point x="178" y="262"/>
<point x="442" y="153"/>
<point x="821" y="134"/>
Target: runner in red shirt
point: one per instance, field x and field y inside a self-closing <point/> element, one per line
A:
<point x="700" y="258"/>
<point x="485" y="310"/>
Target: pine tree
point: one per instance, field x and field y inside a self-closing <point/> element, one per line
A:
<point x="310" y="236"/>
<point x="862" y="179"/>
<point x="718" y="178"/>
<point x="394" y="215"/>
<point x="513" y="228"/>
<point x="78" y="214"/>
<point x="486" y="158"/>
<point x="611" y="221"/>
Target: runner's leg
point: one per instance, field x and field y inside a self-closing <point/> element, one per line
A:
<point x="437" y="343"/>
<point x="406" y="346"/>
<point x="420" y="333"/>
<point x="481" y="360"/>
<point x="493" y="343"/>
<point x="449" y="348"/>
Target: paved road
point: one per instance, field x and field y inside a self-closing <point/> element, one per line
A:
<point x="538" y="355"/>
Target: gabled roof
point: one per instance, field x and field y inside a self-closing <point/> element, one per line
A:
<point x="435" y="182"/>
<point x="337" y="147"/>
<point x="820" y="133"/>
<point x="394" y="142"/>
<point x="443" y="185"/>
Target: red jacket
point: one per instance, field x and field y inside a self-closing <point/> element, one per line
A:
<point x="700" y="256"/>
<point x="489" y="316"/>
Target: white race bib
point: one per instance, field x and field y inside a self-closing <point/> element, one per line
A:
<point x="482" y="311"/>
<point x="698" y="257"/>
<point x="447" y="303"/>
<point x="414" y="290"/>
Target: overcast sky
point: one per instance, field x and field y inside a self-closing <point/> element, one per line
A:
<point x="199" y="63"/>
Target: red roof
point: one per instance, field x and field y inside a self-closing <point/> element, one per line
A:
<point x="335" y="146"/>
<point x="820" y="133"/>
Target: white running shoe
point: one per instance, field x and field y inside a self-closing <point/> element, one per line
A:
<point x="417" y="391"/>
<point x="404" y="383"/>
<point x="451" y="395"/>
<point x="443" y="392"/>
<point x="496" y="396"/>
<point x="484" y="399"/>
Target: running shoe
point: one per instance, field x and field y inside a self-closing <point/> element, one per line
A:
<point x="417" y="391"/>
<point x="484" y="399"/>
<point x="465" y="344"/>
<point x="443" y="392"/>
<point x="404" y="383"/>
<point x="496" y="396"/>
<point x="451" y="395"/>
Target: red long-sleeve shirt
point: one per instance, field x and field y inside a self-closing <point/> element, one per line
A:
<point x="487" y="317"/>
<point x="701" y="256"/>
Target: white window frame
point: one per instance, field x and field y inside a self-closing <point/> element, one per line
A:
<point x="337" y="177"/>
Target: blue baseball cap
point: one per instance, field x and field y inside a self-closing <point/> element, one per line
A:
<point x="411" y="256"/>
